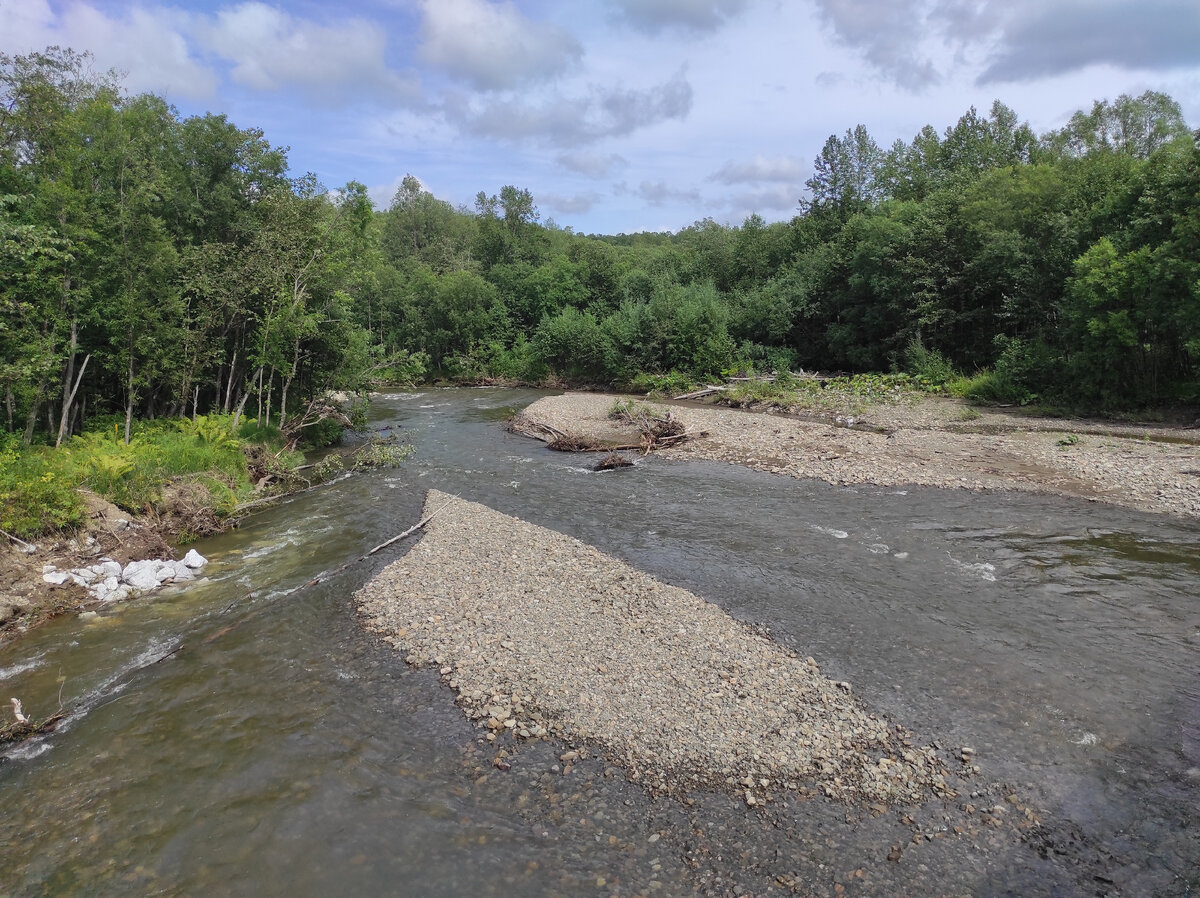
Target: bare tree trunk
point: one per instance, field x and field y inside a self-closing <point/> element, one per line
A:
<point x="69" y="399"/>
<point x="195" y="402"/>
<point x="131" y="396"/>
<point x="260" y="394"/>
<point x="288" y="382"/>
<point x="229" y="385"/>
<point x="242" y="402"/>
<point x="9" y="403"/>
<point x="270" y="394"/>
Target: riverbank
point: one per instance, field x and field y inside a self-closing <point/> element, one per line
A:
<point x="184" y="508"/>
<point x="921" y="440"/>
<point x="542" y="635"/>
<point x="108" y="532"/>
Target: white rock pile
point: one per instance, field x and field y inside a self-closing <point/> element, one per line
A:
<point x="109" y="581"/>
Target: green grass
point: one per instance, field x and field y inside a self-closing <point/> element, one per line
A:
<point x="658" y="386"/>
<point x="39" y="486"/>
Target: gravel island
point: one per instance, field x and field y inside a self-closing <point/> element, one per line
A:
<point x="542" y="635"/>
<point x="924" y="442"/>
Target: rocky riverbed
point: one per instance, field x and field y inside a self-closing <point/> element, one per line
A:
<point x="542" y="635"/>
<point x="927" y="442"/>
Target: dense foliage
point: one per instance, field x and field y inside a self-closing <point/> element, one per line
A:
<point x="154" y="266"/>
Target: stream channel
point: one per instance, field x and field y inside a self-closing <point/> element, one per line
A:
<point x="282" y="749"/>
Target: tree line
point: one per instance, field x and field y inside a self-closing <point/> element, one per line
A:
<point x="156" y="265"/>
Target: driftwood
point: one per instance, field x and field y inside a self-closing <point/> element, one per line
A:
<point x="707" y="391"/>
<point x="524" y="426"/>
<point x="23" y="728"/>
<point x="611" y="462"/>
<point x="657" y="432"/>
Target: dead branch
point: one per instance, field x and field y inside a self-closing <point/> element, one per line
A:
<point x="519" y="424"/>
<point x="28" y="547"/>
<point x="23" y="727"/>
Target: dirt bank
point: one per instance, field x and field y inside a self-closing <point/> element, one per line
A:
<point x="925" y="441"/>
<point x="26" y="599"/>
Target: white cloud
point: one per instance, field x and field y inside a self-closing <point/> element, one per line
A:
<point x="1054" y="38"/>
<point x="654" y="16"/>
<point x="576" y="204"/>
<point x="592" y="165"/>
<point x="492" y="46"/>
<point x="769" y="199"/>
<point x="148" y="45"/>
<point x="271" y="50"/>
<point x="658" y="193"/>
<point x="888" y="35"/>
<point x="761" y="168"/>
<point x="570" y="121"/>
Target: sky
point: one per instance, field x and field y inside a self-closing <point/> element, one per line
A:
<point x="617" y="115"/>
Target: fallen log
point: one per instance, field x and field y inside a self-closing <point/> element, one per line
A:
<point x="707" y="391"/>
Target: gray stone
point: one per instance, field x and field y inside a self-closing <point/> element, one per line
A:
<point x="57" y="578"/>
<point x="194" y="559"/>
<point x="141" y="575"/>
<point x="120" y="594"/>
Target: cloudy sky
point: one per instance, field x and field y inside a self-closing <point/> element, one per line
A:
<point x="618" y="115"/>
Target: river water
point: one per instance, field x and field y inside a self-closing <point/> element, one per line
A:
<point x="228" y="739"/>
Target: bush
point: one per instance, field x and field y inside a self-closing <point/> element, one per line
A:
<point x="573" y="343"/>
<point x="37" y="491"/>
<point x="993" y="387"/>
<point x="929" y="365"/>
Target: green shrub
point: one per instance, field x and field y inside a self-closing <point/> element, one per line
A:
<point x="250" y="431"/>
<point x="994" y="387"/>
<point x="37" y="491"/>
<point x="928" y="365"/>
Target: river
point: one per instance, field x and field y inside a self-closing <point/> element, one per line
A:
<point x="228" y="739"/>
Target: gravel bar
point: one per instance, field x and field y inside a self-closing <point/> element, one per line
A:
<point x="543" y="636"/>
<point x="926" y="442"/>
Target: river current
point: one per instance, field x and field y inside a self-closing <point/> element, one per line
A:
<point x="230" y="739"/>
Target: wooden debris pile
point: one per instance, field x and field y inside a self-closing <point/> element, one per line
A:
<point x="23" y="727"/>
<point x="658" y="429"/>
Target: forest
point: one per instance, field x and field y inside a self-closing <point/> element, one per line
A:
<point x="155" y="266"/>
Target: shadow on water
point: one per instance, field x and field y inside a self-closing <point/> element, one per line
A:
<point x="280" y="748"/>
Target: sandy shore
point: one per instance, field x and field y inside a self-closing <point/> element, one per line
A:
<point x="542" y="635"/>
<point x="928" y="442"/>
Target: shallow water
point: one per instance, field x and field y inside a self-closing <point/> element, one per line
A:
<point x="278" y="748"/>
